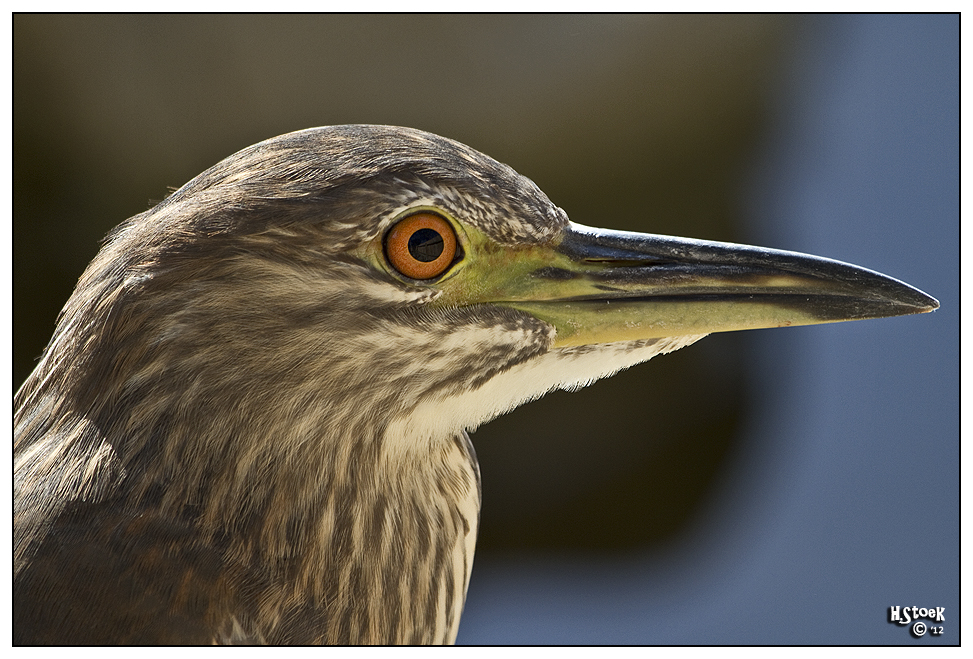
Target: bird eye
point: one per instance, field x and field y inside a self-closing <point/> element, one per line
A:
<point x="421" y="246"/>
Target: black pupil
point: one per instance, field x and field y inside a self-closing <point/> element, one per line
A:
<point x="425" y="245"/>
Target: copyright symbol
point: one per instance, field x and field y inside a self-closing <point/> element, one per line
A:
<point x="919" y="629"/>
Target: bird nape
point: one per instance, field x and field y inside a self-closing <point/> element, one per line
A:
<point x="251" y="422"/>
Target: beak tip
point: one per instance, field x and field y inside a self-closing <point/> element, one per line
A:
<point x="921" y="302"/>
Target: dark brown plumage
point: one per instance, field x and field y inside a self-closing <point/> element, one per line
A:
<point x="151" y="440"/>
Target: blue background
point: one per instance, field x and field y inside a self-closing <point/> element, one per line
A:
<point x="845" y="497"/>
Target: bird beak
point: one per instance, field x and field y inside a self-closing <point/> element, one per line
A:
<point x="601" y="286"/>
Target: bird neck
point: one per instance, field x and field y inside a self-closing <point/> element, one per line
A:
<point x="374" y="545"/>
<point x="378" y="552"/>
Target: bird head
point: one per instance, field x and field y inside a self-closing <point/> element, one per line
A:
<point x="390" y="287"/>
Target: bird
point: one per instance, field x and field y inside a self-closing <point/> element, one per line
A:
<point x="251" y="424"/>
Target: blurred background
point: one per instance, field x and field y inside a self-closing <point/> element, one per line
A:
<point x="761" y="487"/>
